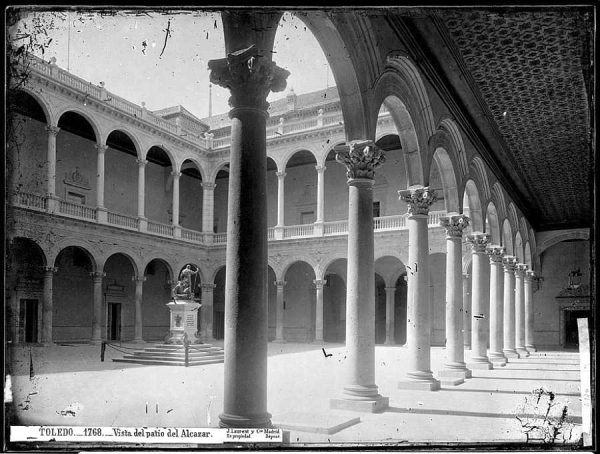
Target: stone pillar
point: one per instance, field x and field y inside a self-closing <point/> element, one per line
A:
<point x="520" y="270"/>
<point x="360" y="393"/>
<point x="466" y="283"/>
<point x="509" y="307"/>
<point x="319" y="283"/>
<point x="143" y="221"/>
<point x="250" y="75"/>
<point x="278" y="231"/>
<point x="454" y="370"/>
<point x="175" y="209"/>
<point x="206" y="312"/>
<point x="390" y="293"/>
<point x="418" y="326"/>
<point x="139" y="286"/>
<point x="98" y="314"/>
<point x="100" y="208"/>
<point x="496" y="355"/>
<point x="208" y="206"/>
<point x="529" y="327"/>
<point x="480" y="301"/>
<point x="319" y="231"/>
<point x="279" y="313"/>
<point x="52" y="200"/>
<point x="47" y="305"/>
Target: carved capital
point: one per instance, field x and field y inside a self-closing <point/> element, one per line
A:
<point x="496" y="254"/>
<point x="49" y="269"/>
<point x="454" y="225"/>
<point x="319" y="283"/>
<point x="175" y="174"/>
<point x="101" y="148"/>
<point x="280" y="284"/>
<point x="520" y="269"/>
<point x="207" y="186"/>
<point x="361" y="158"/>
<point x="52" y="130"/>
<point x="141" y="162"/>
<point x="320" y="169"/>
<point x="138" y="278"/>
<point x="97" y="275"/>
<point x="478" y="241"/>
<point x="418" y="198"/>
<point x="509" y="263"/>
<point x="280" y="174"/>
<point x="530" y="276"/>
<point x="208" y="287"/>
<point x="249" y="76"/>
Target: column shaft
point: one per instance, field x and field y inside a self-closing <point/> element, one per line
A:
<point x="206" y="314"/>
<point x="47" y="306"/>
<point x="520" y="309"/>
<point x="496" y="306"/>
<point x="280" y="312"/>
<point x="51" y="159"/>
<point x="509" y="308"/>
<point x="529" y="317"/>
<point x="467" y="310"/>
<point x="98" y="308"/>
<point x="320" y="193"/>
<point x="141" y="186"/>
<point x="139" y="288"/>
<point x="175" y="209"/>
<point x="208" y="207"/>
<point x="390" y="293"/>
<point x="280" y="199"/>
<point x="319" y="310"/>
<point x="100" y="175"/>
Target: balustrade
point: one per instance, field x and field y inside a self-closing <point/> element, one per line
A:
<point x="298" y="231"/>
<point x="80" y="211"/>
<point x="122" y="220"/>
<point x="160" y="229"/>
<point x="192" y="235"/>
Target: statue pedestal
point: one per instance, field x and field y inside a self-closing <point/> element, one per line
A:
<point x="184" y="320"/>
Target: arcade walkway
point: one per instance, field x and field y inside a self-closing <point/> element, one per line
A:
<point x="71" y="386"/>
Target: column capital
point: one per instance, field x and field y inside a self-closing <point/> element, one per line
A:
<point x="390" y="289"/>
<point x="249" y="77"/>
<point x="280" y="283"/>
<point x="141" y="162"/>
<point x="49" y="269"/>
<point x="520" y="269"/>
<point x="496" y="253"/>
<point x="509" y="262"/>
<point x="207" y="287"/>
<point x="320" y="168"/>
<point x="319" y="283"/>
<point x="208" y="185"/>
<point x="478" y="241"/>
<point x="454" y="224"/>
<point x="419" y="199"/>
<point x="280" y="174"/>
<point x="175" y="174"/>
<point x="530" y="276"/>
<point x="138" y="278"/>
<point x="466" y="276"/>
<point x="97" y="275"/>
<point x="52" y="130"/>
<point x="361" y="158"/>
<point x="101" y="148"/>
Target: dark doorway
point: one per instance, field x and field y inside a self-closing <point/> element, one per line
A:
<point x="219" y="325"/>
<point x="114" y="321"/>
<point x="571" y="333"/>
<point x="28" y="320"/>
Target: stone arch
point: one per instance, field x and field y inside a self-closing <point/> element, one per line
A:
<point x="134" y="139"/>
<point x="166" y="151"/>
<point x="390" y="268"/>
<point x="451" y="128"/>
<point x="300" y="258"/>
<point x="518" y="247"/>
<point x="492" y="219"/>
<point x="163" y="261"/>
<point x="523" y="229"/>
<point x="132" y="261"/>
<point x="92" y="253"/>
<point x="479" y="173"/>
<point x="507" y="237"/>
<point x="446" y="167"/>
<point x="197" y="164"/>
<point x="555" y="237"/>
<point x="89" y="118"/>
<point x="473" y="201"/>
<point x="51" y="119"/>
<point x="527" y="256"/>
<point x="289" y="155"/>
<point x="512" y="217"/>
<point x="499" y="201"/>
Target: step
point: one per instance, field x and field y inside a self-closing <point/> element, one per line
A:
<point x="177" y="354"/>
<point x="174" y="355"/>
<point x="154" y="362"/>
<point x="174" y="358"/>
<point x="180" y="349"/>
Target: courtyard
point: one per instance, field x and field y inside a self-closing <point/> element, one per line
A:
<point x="67" y="384"/>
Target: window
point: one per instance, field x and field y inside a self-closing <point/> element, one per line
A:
<point x="307" y="217"/>
<point x="376" y="209"/>
<point x="73" y="197"/>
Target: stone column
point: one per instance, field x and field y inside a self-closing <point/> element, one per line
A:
<point x="279" y="313"/>
<point x="390" y="306"/>
<point x="250" y="75"/>
<point x="47" y="305"/>
<point x="320" y="200"/>
<point x="319" y="283"/>
<point x="480" y="301"/>
<point x="206" y="312"/>
<point x="454" y="370"/>
<point x="509" y="307"/>
<point x="51" y="199"/>
<point x="496" y="355"/>
<point x="175" y="209"/>
<point x="360" y="393"/>
<point x="529" y="278"/>
<point x="100" y="208"/>
<point x="466" y="283"/>
<point x="520" y="270"/>
<point x="278" y="231"/>
<point x="98" y="315"/>
<point x="139" y="287"/>
<point x="142" y="220"/>
<point x="208" y="206"/>
<point x="418" y="326"/>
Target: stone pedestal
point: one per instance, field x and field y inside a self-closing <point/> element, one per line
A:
<point x="183" y="320"/>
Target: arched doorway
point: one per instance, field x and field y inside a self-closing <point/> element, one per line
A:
<point x="334" y="302"/>
<point x="299" y="303"/>
<point x="156" y="293"/>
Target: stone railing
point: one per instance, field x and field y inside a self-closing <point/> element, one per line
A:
<point x="330" y="228"/>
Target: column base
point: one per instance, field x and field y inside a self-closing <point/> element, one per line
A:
<point x="138" y="341"/>
<point x="522" y="352"/>
<point x="318" y="342"/>
<point x="419" y="380"/>
<point x="511" y="354"/>
<point x="48" y="344"/>
<point x="454" y="373"/>
<point x="279" y="341"/>
<point x="498" y="359"/>
<point x="374" y="405"/>
<point x="96" y="341"/>
<point x="531" y="348"/>
<point x="247" y="421"/>
<point x="480" y="364"/>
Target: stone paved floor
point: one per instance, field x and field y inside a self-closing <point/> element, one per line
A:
<point x="301" y="379"/>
